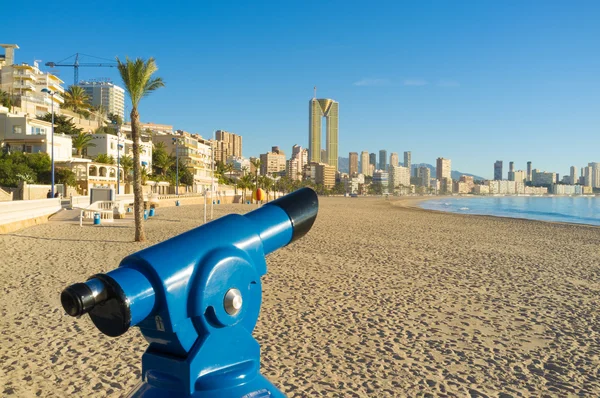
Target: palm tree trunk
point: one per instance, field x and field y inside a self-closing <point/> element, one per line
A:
<point x="138" y="193"/>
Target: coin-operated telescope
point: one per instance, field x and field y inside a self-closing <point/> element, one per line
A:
<point x="196" y="299"/>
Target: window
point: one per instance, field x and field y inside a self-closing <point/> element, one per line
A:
<point x="17" y="130"/>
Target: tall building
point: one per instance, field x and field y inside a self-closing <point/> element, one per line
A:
<point x="364" y="163"/>
<point x="498" y="170"/>
<point x="595" y="174"/>
<point x="295" y="165"/>
<point x="424" y="175"/>
<point x="323" y="156"/>
<point x="573" y="175"/>
<point x="587" y="176"/>
<point x="319" y="109"/>
<point x="272" y="162"/>
<point x="107" y="94"/>
<point x="511" y="167"/>
<point x="394" y="160"/>
<point x="353" y="163"/>
<point x="443" y="169"/>
<point x="408" y="160"/>
<point x="539" y="177"/>
<point x="382" y="159"/>
<point x="529" y="172"/>
<point x="227" y="144"/>
<point x="399" y="178"/>
<point x="373" y="159"/>
<point x="519" y="176"/>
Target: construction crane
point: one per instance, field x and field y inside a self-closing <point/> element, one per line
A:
<point x="75" y="65"/>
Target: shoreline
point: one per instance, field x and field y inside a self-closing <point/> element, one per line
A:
<point x="413" y="204"/>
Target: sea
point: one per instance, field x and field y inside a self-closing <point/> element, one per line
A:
<point x="576" y="209"/>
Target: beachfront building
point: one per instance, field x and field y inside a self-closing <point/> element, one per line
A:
<point x="22" y="133"/>
<point x="424" y="176"/>
<point x="320" y="173"/>
<point x="119" y="146"/>
<point x="365" y="164"/>
<point x="106" y="94"/>
<point x="498" y="170"/>
<point x="317" y="110"/>
<point x="354" y="184"/>
<point x="25" y="82"/>
<point x="295" y="165"/>
<point x="89" y="174"/>
<point x="561" y="189"/>
<point x="481" y="189"/>
<point x="540" y="178"/>
<point x="399" y="179"/>
<point x="595" y="174"/>
<point x="272" y="162"/>
<point x="408" y="160"/>
<point x="382" y="177"/>
<point x="394" y="160"/>
<point x="382" y="160"/>
<point x="353" y="163"/>
<point x="443" y="169"/>
<point x="194" y="152"/>
<point x="227" y="144"/>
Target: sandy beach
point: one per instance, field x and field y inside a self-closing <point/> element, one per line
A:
<point x="378" y="300"/>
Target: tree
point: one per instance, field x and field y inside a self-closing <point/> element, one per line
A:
<point x="105" y="130"/>
<point x="81" y="142"/>
<point x="256" y="164"/>
<point x="138" y="81"/>
<point x="126" y="165"/>
<point x="115" y="119"/>
<point x="77" y="100"/>
<point x="62" y="124"/>
<point x="65" y="176"/>
<point x="5" y="99"/>
<point x="104" y="158"/>
<point x="161" y="159"/>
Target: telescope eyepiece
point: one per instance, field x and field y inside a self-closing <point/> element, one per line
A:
<point x="77" y="299"/>
<point x="81" y="298"/>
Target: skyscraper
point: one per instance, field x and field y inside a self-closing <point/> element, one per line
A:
<point x="573" y="175"/>
<point x="443" y="169"/>
<point x="319" y="109"/>
<point x="511" y="171"/>
<point x="373" y="159"/>
<point x="424" y="175"/>
<point x="364" y="163"/>
<point x="407" y="160"/>
<point x="353" y="163"/>
<point x="498" y="170"/>
<point x="110" y="96"/>
<point x="382" y="159"/>
<point x="227" y="145"/>
<point x="529" y="171"/>
<point x="394" y="159"/>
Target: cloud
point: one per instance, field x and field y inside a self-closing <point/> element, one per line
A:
<point x="372" y="82"/>
<point x="448" y="83"/>
<point x="415" y="82"/>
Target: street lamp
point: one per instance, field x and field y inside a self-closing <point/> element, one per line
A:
<point x="176" y="142"/>
<point x="45" y="90"/>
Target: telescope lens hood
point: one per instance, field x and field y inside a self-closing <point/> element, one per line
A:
<point x="302" y="207"/>
<point x="77" y="299"/>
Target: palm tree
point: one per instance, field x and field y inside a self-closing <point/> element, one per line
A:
<point x="104" y="158"/>
<point x="77" y="100"/>
<point x="256" y="164"/>
<point x="126" y="165"/>
<point x="81" y="142"/>
<point x="138" y="82"/>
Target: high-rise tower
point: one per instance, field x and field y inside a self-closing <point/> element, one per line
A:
<point x="317" y="110"/>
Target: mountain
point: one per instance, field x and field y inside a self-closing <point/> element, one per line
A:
<point x="344" y="165"/>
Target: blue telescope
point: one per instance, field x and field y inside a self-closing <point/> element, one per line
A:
<point x="196" y="299"/>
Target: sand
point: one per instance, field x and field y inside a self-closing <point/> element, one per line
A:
<point x="377" y="300"/>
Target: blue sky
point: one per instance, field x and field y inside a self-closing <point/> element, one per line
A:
<point x="473" y="81"/>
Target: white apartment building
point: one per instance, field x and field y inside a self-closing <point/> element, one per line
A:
<point x="107" y="94"/>
<point x="21" y="133"/>
<point x="25" y="83"/>
<point x="398" y="177"/>
<point x="109" y="144"/>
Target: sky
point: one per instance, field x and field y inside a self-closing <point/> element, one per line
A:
<point x="473" y="81"/>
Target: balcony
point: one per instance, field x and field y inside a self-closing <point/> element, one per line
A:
<point x="24" y="76"/>
<point x="24" y="85"/>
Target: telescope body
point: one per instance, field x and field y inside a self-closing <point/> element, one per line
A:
<point x="196" y="299"/>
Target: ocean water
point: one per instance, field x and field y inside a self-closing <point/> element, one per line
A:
<point x="579" y="210"/>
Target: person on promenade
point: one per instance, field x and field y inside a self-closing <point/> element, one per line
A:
<point x="49" y="194"/>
